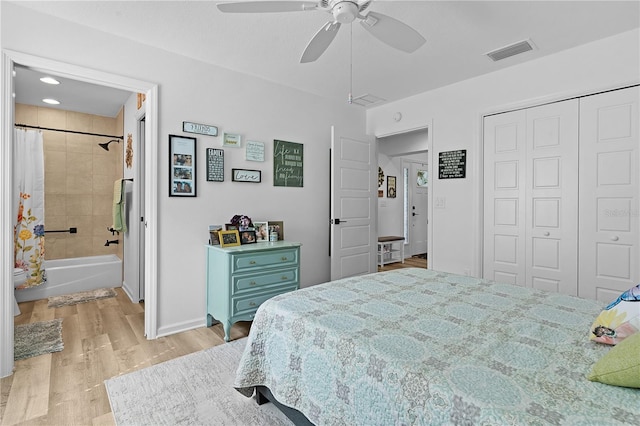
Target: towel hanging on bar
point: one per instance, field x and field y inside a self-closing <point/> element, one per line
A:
<point x="119" y="220"/>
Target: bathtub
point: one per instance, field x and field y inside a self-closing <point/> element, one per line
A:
<point x="65" y="276"/>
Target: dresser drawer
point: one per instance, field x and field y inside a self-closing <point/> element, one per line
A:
<point x="248" y="261"/>
<point x="243" y="283"/>
<point x="249" y="304"/>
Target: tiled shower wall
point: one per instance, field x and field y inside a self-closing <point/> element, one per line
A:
<point x="79" y="179"/>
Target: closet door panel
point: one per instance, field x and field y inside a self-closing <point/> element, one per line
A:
<point x="504" y="150"/>
<point x="609" y="194"/>
<point x="551" y="192"/>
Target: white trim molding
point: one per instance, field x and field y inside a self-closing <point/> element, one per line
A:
<point x="6" y="224"/>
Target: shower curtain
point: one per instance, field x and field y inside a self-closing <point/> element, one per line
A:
<point x="28" y="190"/>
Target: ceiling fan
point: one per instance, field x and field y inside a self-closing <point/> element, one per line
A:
<point x="385" y="28"/>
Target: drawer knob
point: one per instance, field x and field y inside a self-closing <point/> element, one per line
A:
<point x="252" y="262"/>
<point x="284" y="277"/>
<point x="284" y="258"/>
<point x="252" y="303"/>
<point x="252" y="283"/>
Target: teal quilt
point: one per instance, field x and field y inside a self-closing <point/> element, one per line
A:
<point x="420" y="347"/>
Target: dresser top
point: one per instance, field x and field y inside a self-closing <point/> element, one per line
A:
<point x="244" y="248"/>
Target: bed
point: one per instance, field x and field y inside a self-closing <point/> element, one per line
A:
<point x="419" y="347"/>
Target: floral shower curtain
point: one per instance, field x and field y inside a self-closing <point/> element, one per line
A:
<point x="28" y="190"/>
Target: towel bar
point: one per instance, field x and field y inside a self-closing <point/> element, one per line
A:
<point x="70" y="230"/>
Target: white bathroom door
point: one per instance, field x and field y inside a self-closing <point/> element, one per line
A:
<point x="504" y="198"/>
<point x="142" y="225"/>
<point x="609" y="188"/>
<point x="551" y="197"/>
<point x="354" y="172"/>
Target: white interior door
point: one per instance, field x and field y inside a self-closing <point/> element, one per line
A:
<point x="418" y="187"/>
<point x="551" y="195"/>
<point x="142" y="225"/>
<point x="504" y="198"/>
<point x="609" y="188"/>
<point x="353" y="197"/>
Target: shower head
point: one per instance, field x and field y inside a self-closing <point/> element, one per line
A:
<point x="105" y="145"/>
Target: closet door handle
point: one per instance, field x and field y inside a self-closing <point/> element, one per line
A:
<point x="614" y="238"/>
<point x="546" y="234"/>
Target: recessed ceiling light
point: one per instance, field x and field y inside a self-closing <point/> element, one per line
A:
<point x="51" y="101"/>
<point x="49" y="80"/>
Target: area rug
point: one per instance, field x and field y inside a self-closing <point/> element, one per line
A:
<point x="196" y="389"/>
<point x="81" y="297"/>
<point x="37" y="338"/>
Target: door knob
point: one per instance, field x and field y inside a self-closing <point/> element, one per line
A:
<point x="546" y="234"/>
<point x="614" y="238"/>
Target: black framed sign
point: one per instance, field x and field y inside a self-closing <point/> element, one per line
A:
<point x="182" y="166"/>
<point x="452" y="164"/>
<point x="215" y="165"/>
<point x="245" y="175"/>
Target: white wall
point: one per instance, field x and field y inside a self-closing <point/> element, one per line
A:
<point x="390" y="210"/>
<point x="202" y="93"/>
<point x="456" y="114"/>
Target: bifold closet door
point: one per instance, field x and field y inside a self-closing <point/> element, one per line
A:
<point x="530" y="197"/>
<point x="609" y="188"/>
<point x="504" y="197"/>
<point x="551" y="197"/>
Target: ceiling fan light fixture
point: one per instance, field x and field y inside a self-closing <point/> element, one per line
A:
<point x="345" y="12"/>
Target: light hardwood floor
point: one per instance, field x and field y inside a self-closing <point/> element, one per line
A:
<point x="102" y="339"/>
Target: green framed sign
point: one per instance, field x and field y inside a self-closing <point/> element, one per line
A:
<point x="288" y="163"/>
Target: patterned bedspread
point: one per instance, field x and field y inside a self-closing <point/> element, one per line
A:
<point x="419" y="347"/>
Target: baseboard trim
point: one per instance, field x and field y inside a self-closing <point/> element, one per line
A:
<point x="180" y="327"/>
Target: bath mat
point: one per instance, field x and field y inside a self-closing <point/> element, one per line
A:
<point x="37" y="338"/>
<point x="81" y="297"/>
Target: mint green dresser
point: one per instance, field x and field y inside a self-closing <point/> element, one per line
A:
<point x="240" y="279"/>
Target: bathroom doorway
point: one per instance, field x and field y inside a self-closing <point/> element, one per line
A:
<point x="12" y="59"/>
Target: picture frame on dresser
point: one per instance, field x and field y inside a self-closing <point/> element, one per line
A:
<point x="248" y="236"/>
<point x="262" y="231"/>
<point x="214" y="237"/>
<point x="229" y="238"/>
<point x="277" y="226"/>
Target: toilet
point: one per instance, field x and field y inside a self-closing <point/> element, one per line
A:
<point x="19" y="277"/>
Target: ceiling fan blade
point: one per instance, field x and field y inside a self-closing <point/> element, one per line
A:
<point x="267" y="6"/>
<point x="392" y="32"/>
<point x="320" y="42"/>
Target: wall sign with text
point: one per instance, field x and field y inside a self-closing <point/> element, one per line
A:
<point x="201" y="129"/>
<point x="245" y="175"/>
<point x="288" y="163"/>
<point x="215" y="165"/>
<point x="254" y="151"/>
<point x="452" y="164"/>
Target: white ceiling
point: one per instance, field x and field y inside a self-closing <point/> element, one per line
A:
<point x="458" y="35"/>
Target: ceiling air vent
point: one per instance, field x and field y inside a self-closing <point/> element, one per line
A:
<point x="366" y="100"/>
<point x="510" y="50"/>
